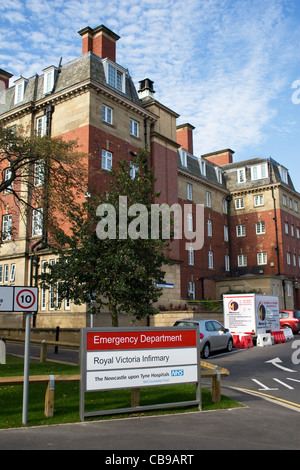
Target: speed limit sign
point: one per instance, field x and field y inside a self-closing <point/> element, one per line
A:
<point x="26" y="299"/>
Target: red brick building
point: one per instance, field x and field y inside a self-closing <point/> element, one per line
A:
<point x="250" y="220"/>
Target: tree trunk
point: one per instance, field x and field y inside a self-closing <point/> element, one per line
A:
<point x="114" y="316"/>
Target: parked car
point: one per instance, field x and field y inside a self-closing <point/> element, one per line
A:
<point x="290" y="319"/>
<point x="213" y="335"/>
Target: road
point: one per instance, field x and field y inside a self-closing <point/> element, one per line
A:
<point x="270" y="372"/>
<point x="260" y="425"/>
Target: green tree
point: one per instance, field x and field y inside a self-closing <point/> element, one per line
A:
<point x="116" y="272"/>
<point x="42" y="173"/>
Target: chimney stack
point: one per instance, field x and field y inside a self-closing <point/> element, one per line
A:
<point x="221" y="157"/>
<point x="4" y="79"/>
<point x="101" y="41"/>
<point x="146" y="88"/>
<point x="184" y="134"/>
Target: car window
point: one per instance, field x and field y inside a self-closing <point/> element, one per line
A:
<point x="209" y="326"/>
<point x="217" y="326"/>
<point x="283" y="314"/>
<point x="296" y="314"/>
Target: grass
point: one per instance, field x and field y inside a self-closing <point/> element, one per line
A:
<point x="67" y="396"/>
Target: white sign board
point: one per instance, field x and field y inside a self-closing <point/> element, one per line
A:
<point x="6" y="299"/>
<point x="118" y="358"/>
<point x="18" y="299"/>
<point x="251" y="313"/>
<point x="26" y="299"/>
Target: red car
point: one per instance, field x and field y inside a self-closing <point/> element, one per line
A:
<point x="290" y="319"/>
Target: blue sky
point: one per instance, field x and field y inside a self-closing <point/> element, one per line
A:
<point x="228" y="67"/>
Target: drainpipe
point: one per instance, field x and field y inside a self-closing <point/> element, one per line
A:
<point x="229" y="199"/>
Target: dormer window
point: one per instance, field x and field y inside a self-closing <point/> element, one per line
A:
<point x="219" y="175"/>
<point x="115" y="75"/>
<point x="259" y="172"/>
<point x="183" y="157"/>
<point x="283" y="174"/>
<point x="20" y="90"/>
<point x="202" y="166"/>
<point x="49" y="75"/>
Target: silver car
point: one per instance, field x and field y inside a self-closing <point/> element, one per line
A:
<point x="213" y="335"/>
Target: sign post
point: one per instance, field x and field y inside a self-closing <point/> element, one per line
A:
<point x="120" y="358"/>
<point x="26" y="300"/>
<point x="21" y="299"/>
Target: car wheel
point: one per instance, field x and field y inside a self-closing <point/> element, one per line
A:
<point x="205" y="351"/>
<point x="230" y="345"/>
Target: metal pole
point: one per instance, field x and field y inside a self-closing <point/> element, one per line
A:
<point x="26" y="368"/>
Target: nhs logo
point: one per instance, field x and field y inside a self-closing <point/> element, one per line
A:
<point x="177" y="372"/>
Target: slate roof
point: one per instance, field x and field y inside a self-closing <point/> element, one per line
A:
<point x="85" y="67"/>
<point x="193" y="169"/>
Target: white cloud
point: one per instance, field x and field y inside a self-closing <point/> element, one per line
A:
<point x="222" y="65"/>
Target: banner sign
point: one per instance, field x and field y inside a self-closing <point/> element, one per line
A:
<point x="119" y="358"/>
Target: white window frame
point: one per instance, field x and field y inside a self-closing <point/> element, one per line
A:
<point x="134" y="128"/>
<point x="288" y="258"/>
<point x="284" y="200"/>
<point x="114" y="75"/>
<point x="6" y="227"/>
<point x="189" y="192"/>
<point x="260" y="228"/>
<point x="37" y="222"/>
<point x="6" y="272"/>
<point x="12" y="273"/>
<point x="241" y="175"/>
<point x="258" y="200"/>
<point x="226" y="233"/>
<point x="259" y="172"/>
<point x="20" y="90"/>
<point x="7" y="176"/>
<point x="208" y="199"/>
<point x="240" y="230"/>
<point x="133" y="170"/>
<point x="262" y="258"/>
<point x="1" y="271"/>
<point x="41" y="126"/>
<point x="227" y="263"/>
<point x="239" y="203"/>
<point x="219" y="175"/>
<point x="39" y="173"/>
<point x="191" y="256"/>
<point x="283" y="174"/>
<point x="209" y="228"/>
<point x="191" y="290"/>
<point x="210" y="260"/>
<point x="107" y="114"/>
<point x="286" y="228"/>
<point x="106" y="160"/>
<point x="242" y="260"/>
<point x="49" y="75"/>
<point x="202" y="166"/>
<point x="183" y="157"/>
<point x="225" y="206"/>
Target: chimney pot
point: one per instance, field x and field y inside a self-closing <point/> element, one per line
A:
<point x="101" y="41"/>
